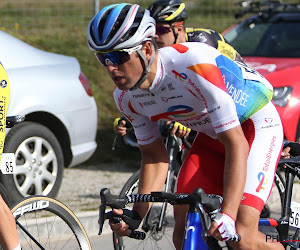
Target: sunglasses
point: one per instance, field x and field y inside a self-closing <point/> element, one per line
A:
<point x="116" y="57"/>
<point x="161" y="30"/>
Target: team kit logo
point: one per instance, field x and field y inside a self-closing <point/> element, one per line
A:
<point x="3" y="83"/>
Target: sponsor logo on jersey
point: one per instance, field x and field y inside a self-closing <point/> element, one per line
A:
<point x="270" y="123"/>
<point x="166" y="99"/>
<point x="225" y="124"/>
<point x="146" y="104"/>
<point x="199" y="123"/>
<point x="175" y="111"/>
<point x="170" y="87"/>
<point x="198" y="91"/>
<point x="239" y="96"/>
<point x="181" y="76"/>
<point x="140" y="95"/>
<point x="214" y="109"/>
<point x="144" y="140"/>
<point x="262" y="181"/>
<point x="269" y="154"/>
<point x="139" y="126"/>
<point x="120" y="100"/>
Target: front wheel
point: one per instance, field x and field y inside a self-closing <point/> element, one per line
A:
<point x="45" y="223"/>
<point x="39" y="161"/>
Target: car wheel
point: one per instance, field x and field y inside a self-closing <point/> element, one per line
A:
<point x="39" y="161"/>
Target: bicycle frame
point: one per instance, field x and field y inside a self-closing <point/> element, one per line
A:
<point x="172" y="146"/>
<point x="195" y="227"/>
<point x="282" y="224"/>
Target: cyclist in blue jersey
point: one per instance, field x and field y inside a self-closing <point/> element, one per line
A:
<point x="9" y="239"/>
<point x="240" y="133"/>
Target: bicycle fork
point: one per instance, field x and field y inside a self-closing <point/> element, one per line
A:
<point x="195" y="230"/>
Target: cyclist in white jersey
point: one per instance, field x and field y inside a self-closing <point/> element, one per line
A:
<point x="170" y="16"/>
<point x="226" y="102"/>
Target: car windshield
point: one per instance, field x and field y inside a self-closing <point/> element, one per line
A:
<point x="266" y="39"/>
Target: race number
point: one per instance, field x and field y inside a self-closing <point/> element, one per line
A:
<point x="8" y="163"/>
<point x="295" y="217"/>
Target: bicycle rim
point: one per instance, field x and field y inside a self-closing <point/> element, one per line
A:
<point x="50" y="223"/>
<point x="155" y="238"/>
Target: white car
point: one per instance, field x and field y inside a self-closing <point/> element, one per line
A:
<point x="60" y="117"/>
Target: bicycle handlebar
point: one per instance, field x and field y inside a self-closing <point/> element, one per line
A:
<point x="293" y="160"/>
<point x="210" y="203"/>
<point x="291" y="165"/>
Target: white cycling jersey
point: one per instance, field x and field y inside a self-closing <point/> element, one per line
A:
<point x="204" y="90"/>
<point x="197" y="86"/>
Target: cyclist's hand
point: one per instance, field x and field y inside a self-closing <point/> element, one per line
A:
<point x="285" y="153"/>
<point x="291" y="149"/>
<point x="130" y="221"/>
<point x="223" y="227"/>
<point x="121" y="228"/>
<point x="119" y="127"/>
<point x="180" y="130"/>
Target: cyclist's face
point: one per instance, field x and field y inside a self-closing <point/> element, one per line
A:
<point x="164" y="35"/>
<point x="126" y="74"/>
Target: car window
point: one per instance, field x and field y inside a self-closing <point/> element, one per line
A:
<point x="246" y="37"/>
<point x="279" y="39"/>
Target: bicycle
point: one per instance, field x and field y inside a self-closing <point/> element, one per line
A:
<point x="289" y="219"/>
<point x="202" y="208"/>
<point x="158" y="224"/>
<point x="36" y="216"/>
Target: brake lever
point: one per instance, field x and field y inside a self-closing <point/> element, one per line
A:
<point x="101" y="215"/>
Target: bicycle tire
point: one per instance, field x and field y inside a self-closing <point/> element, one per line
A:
<point x="154" y="239"/>
<point x="51" y="223"/>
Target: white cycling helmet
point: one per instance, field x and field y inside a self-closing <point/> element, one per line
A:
<point x="123" y="26"/>
<point x="120" y="26"/>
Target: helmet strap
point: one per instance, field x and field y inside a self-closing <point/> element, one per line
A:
<point x="175" y="35"/>
<point x="173" y="30"/>
<point x="146" y="65"/>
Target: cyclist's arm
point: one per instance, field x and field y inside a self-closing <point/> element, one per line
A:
<point x="236" y="154"/>
<point x="153" y="174"/>
<point x="154" y="166"/>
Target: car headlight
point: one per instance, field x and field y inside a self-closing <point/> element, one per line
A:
<point x="282" y="95"/>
